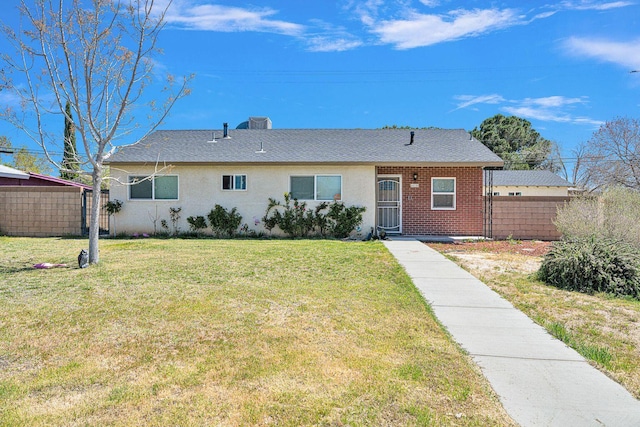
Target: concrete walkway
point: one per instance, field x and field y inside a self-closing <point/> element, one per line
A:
<point x="540" y="381"/>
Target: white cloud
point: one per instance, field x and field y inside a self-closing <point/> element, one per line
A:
<point x="554" y="101"/>
<point x="330" y="38"/>
<point x="424" y="30"/>
<point x="469" y="100"/>
<point x="558" y="109"/>
<point x="9" y="99"/>
<point x="591" y="5"/>
<point x="318" y="36"/>
<point x="626" y="54"/>
<point x="213" y="17"/>
<point x="329" y="44"/>
<point x="430" y="3"/>
<point x="542" y="114"/>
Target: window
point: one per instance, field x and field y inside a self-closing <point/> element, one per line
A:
<point x="234" y="182"/>
<point x="318" y="187"/>
<point x="153" y="188"/>
<point x="443" y="193"/>
<point x="496" y="193"/>
<point x="518" y="193"/>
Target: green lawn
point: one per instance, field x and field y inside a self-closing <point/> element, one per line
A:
<point x="226" y="332"/>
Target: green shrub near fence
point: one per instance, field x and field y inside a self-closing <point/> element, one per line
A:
<point x="593" y="265"/>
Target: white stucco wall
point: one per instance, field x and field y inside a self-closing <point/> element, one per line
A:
<point x="504" y="190"/>
<point x="200" y="189"/>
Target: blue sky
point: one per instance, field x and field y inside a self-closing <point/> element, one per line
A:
<point x="565" y="65"/>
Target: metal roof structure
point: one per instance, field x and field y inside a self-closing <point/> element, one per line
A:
<point x="7" y="172"/>
<point x="310" y="146"/>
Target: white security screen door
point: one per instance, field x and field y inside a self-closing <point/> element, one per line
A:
<point x="389" y="206"/>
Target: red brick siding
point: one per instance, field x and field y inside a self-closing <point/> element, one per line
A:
<point x="417" y="215"/>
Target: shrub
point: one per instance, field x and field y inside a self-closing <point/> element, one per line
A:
<point x="224" y="222"/>
<point x="344" y="219"/>
<point x="174" y="214"/>
<point x="297" y="220"/>
<point x="614" y="214"/>
<point x="197" y="223"/>
<point x="593" y="265"/>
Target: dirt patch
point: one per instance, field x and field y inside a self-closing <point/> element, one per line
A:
<point x="534" y="248"/>
<point x="491" y="258"/>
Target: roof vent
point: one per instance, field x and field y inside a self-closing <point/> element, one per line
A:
<point x="213" y="138"/>
<point x="412" y="135"/>
<point x="225" y="131"/>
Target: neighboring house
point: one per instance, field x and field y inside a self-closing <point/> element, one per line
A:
<point x="410" y="182"/>
<point x="528" y="183"/>
<point x="38" y="205"/>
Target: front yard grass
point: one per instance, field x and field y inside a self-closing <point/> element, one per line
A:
<point x="226" y="332"/>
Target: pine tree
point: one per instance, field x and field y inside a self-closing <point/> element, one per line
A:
<point x="70" y="164"/>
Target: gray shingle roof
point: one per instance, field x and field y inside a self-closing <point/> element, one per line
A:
<point x="381" y="146"/>
<point x="540" y="178"/>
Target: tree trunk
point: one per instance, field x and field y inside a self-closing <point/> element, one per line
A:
<point x="94" y="225"/>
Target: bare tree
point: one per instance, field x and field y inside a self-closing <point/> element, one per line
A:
<point x="612" y="155"/>
<point x="97" y="54"/>
<point x="581" y="173"/>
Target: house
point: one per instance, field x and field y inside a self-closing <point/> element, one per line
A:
<point x="38" y="205"/>
<point x="410" y="182"/>
<point x="528" y="183"/>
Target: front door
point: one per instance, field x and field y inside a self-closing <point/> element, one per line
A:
<point x="389" y="204"/>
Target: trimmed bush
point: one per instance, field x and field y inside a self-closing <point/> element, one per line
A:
<point x="224" y="222"/>
<point x="343" y="219"/>
<point x="593" y="265"/>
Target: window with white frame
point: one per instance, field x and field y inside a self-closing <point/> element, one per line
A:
<point x="163" y="187"/>
<point x="443" y="193"/>
<point x="234" y="182"/>
<point x="316" y="187"/>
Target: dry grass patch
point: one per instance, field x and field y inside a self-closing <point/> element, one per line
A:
<point x="218" y="332"/>
<point x="604" y="329"/>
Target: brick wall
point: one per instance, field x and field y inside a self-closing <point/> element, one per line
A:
<point x="40" y="211"/>
<point x="526" y="217"/>
<point x="417" y="215"/>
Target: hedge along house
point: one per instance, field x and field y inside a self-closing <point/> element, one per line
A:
<point x="421" y="182"/>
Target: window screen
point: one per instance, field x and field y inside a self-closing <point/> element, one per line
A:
<point x="328" y="187"/>
<point x="443" y="193"/>
<point x="155" y="188"/>
<point x="302" y="187"/>
<point x="140" y="189"/>
<point x="166" y="187"/>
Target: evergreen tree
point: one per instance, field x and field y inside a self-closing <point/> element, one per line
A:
<point x="70" y="164"/>
<point x="516" y="142"/>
